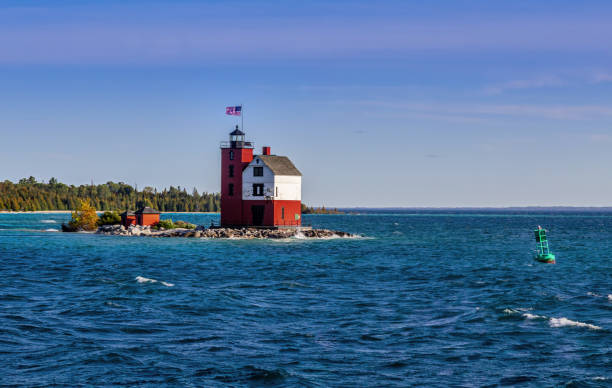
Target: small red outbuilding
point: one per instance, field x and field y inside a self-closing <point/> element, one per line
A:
<point x="128" y="218"/>
<point x="145" y="216"/>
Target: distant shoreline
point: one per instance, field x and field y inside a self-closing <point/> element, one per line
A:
<point x="356" y="209"/>
<point x="70" y="211"/>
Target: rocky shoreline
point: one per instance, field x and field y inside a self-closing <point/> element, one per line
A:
<point x="216" y="232"/>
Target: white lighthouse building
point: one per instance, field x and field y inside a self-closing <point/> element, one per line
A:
<point x="258" y="190"/>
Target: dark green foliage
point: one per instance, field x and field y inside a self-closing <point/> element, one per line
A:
<point x="319" y="210"/>
<point x="185" y="225"/>
<point x="166" y="224"/>
<point x="109" y="218"/>
<point x="29" y="195"/>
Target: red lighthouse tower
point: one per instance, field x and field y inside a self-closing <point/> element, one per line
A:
<point x="258" y="190"/>
<point x="235" y="156"/>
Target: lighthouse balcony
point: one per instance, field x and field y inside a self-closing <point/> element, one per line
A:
<point x="237" y="144"/>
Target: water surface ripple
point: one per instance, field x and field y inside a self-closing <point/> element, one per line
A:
<point x="424" y="299"/>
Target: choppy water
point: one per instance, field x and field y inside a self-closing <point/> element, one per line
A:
<point x="426" y="299"/>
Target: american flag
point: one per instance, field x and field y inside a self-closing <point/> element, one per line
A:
<point x="233" y="110"/>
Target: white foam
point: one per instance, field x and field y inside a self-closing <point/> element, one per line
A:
<point x="610" y="297"/>
<point x="141" y="279"/>
<point x="517" y="310"/>
<point x="593" y="294"/>
<point x="533" y="316"/>
<point x="48" y="222"/>
<point x="561" y="322"/>
<point x="51" y="230"/>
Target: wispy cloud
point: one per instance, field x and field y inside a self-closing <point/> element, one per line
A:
<point x="483" y="110"/>
<point x="567" y="78"/>
<point x="538" y="82"/>
<point x="601" y="77"/>
<point x="141" y="38"/>
<point x="601" y="138"/>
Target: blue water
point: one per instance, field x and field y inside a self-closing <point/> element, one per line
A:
<point x="423" y="299"/>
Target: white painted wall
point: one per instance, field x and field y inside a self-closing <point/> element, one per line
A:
<point x="289" y="186"/>
<point x="248" y="179"/>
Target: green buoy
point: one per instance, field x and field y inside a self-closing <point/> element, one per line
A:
<point x="543" y="253"/>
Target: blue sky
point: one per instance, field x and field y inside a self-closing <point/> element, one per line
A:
<point x="378" y="103"/>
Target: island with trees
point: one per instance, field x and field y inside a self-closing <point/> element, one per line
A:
<point x="30" y="195"/>
<point x="320" y="210"/>
<point x="85" y="219"/>
<point x="86" y="201"/>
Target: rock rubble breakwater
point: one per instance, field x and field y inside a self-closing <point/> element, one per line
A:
<point x="217" y="232"/>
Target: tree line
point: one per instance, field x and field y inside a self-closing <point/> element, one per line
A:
<point x="31" y="195"/>
<point x="319" y="210"/>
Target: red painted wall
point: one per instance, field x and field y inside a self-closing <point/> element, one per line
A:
<point x="248" y="213"/>
<point x="128" y="220"/>
<point x="291" y="209"/>
<point x="273" y="212"/>
<point x="147" y="219"/>
<point x="231" y="206"/>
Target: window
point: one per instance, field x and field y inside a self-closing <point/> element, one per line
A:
<point x="230" y="190"/>
<point x="258" y="189"/>
<point x="231" y="170"/>
<point x="231" y="155"/>
<point x="283" y="213"/>
<point x="277" y="191"/>
<point x="257" y="171"/>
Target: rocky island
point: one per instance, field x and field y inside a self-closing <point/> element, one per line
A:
<point x="147" y="222"/>
<point x="221" y="232"/>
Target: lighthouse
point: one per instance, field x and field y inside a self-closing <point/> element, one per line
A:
<point x="262" y="190"/>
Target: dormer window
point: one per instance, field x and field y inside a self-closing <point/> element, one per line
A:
<point x="257" y="171"/>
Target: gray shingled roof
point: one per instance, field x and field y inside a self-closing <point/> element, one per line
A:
<point x="280" y="165"/>
<point x="147" y="210"/>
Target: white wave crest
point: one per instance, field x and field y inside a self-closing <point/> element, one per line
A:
<point x="48" y="222"/>
<point x="561" y="322"/>
<point x="517" y="310"/>
<point x="533" y="316"/>
<point x="51" y="230"/>
<point x="610" y="297"/>
<point x="141" y="279"/>
<point x="593" y="294"/>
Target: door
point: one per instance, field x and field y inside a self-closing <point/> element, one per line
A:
<point x="258" y="214"/>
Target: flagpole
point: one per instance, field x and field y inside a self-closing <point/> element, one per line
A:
<point x="242" y="117"/>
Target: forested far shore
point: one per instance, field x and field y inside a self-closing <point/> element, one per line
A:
<point x="31" y="195"/>
<point x="320" y="210"/>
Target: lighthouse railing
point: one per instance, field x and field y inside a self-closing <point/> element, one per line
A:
<point x="237" y="144"/>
